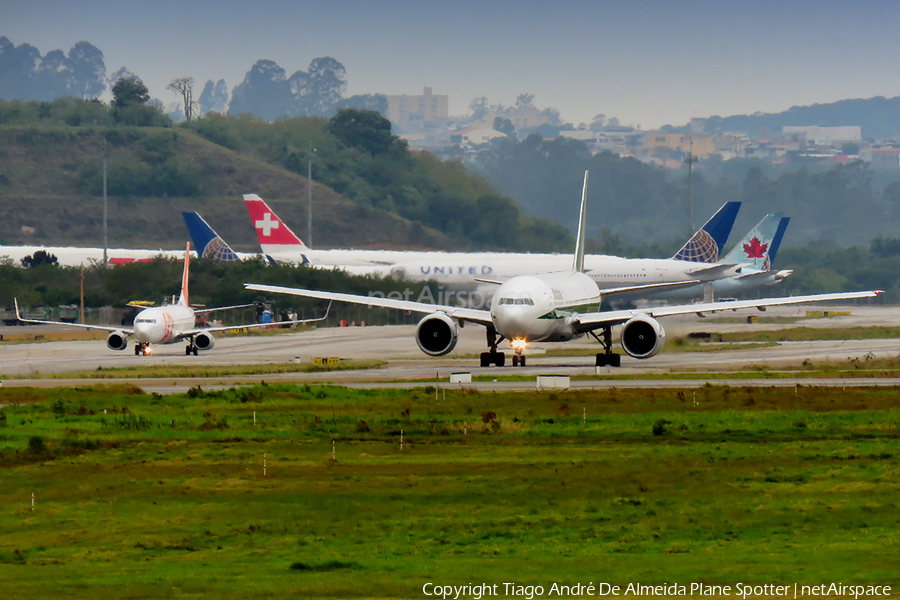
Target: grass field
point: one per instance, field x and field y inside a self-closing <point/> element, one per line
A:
<point x="145" y="496"/>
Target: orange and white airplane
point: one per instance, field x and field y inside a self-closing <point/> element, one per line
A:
<point x="167" y="324"/>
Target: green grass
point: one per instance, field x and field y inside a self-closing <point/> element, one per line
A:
<point x="195" y="371"/>
<point x="144" y="496"/>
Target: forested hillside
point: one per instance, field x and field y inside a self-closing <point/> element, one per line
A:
<point x="369" y="190"/>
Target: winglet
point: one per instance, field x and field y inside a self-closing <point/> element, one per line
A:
<point x="18" y="316"/>
<point x="183" y="299"/>
<point x="578" y="266"/>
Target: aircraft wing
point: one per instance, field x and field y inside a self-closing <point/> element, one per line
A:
<point x="257" y="325"/>
<point x="457" y="312"/>
<point x="717" y="271"/>
<point x="595" y="320"/>
<point x="124" y="330"/>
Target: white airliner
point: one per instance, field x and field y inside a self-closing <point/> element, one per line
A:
<point x="167" y="324"/>
<point x="74" y="257"/>
<point x="531" y="308"/>
<point x="464" y="270"/>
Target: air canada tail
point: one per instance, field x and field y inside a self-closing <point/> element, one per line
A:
<point x="706" y="245"/>
<point x="274" y="236"/>
<point x="183" y="298"/>
<point x="776" y="243"/>
<point x="755" y="250"/>
<point x="206" y="241"/>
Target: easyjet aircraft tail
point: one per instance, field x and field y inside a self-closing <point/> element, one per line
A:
<point x="274" y="236"/>
<point x="706" y="245"/>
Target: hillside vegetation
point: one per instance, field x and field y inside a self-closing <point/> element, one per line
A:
<point x="369" y="190"/>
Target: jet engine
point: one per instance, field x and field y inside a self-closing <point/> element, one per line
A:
<point x="398" y="273"/>
<point x="436" y="334"/>
<point x="117" y="340"/>
<point x="642" y="336"/>
<point x="204" y="341"/>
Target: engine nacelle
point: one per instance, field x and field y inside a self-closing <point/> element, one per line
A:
<point x="643" y="336"/>
<point x="117" y="340"/>
<point x="204" y="341"/>
<point x="436" y="334"/>
<point x="398" y="273"/>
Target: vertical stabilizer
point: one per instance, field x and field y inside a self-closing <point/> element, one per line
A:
<point x="183" y="299"/>
<point x="756" y="247"/>
<point x="274" y="236"/>
<point x="776" y="243"/>
<point x="578" y="266"/>
<point x="706" y="245"/>
<point x="206" y="241"/>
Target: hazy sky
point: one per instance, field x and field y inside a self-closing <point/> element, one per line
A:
<point x="647" y="62"/>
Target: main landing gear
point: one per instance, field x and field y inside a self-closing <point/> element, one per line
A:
<point x="191" y="348"/>
<point x="141" y="349"/>
<point x="493" y="357"/>
<point x="607" y="358"/>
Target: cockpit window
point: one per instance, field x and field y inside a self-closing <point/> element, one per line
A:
<point x="146" y="321"/>
<point x="519" y="301"/>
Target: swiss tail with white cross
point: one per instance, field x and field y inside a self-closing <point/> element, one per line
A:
<point x="274" y="236"/>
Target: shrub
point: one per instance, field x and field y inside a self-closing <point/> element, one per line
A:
<point x="659" y="427"/>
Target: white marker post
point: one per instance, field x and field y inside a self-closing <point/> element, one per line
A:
<point x="584" y="414"/>
<point x="401" y="440"/>
<point x="32" y="501"/>
<point x="465" y="428"/>
<point x="264" y="464"/>
<point x="254" y="417"/>
<point x="333" y="457"/>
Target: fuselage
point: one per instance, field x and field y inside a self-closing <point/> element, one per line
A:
<point x="528" y="307"/>
<point x="74" y="257"/>
<point x="163" y="324"/>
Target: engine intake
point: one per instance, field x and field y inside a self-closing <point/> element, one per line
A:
<point x="436" y="334"/>
<point x="204" y="341"/>
<point x="643" y="336"/>
<point x="117" y="340"/>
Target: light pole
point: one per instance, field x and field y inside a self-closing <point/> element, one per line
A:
<point x="690" y="159"/>
<point x="309" y="155"/>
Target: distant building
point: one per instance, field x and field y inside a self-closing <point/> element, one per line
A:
<point x="824" y="136"/>
<point x="526" y="117"/>
<point x="881" y="158"/>
<point x="475" y="136"/>
<point x="417" y="112"/>
<point x="700" y="145"/>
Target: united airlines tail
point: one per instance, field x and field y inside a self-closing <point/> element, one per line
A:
<point x="207" y="242"/>
<point x="183" y="298"/>
<point x="274" y="236"/>
<point x="706" y="245"/>
<point x="755" y="249"/>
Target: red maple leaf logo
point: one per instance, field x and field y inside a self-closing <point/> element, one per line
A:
<point x="754" y="249"/>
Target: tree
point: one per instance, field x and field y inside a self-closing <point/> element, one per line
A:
<point x="129" y="91"/>
<point x="504" y="125"/>
<point x="214" y="98"/>
<point x="325" y="85"/>
<point x="40" y="257"/>
<point x="185" y="87"/>
<point x="523" y="100"/>
<point x="264" y="92"/>
<point x="480" y="108"/>
<point x="366" y="130"/>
